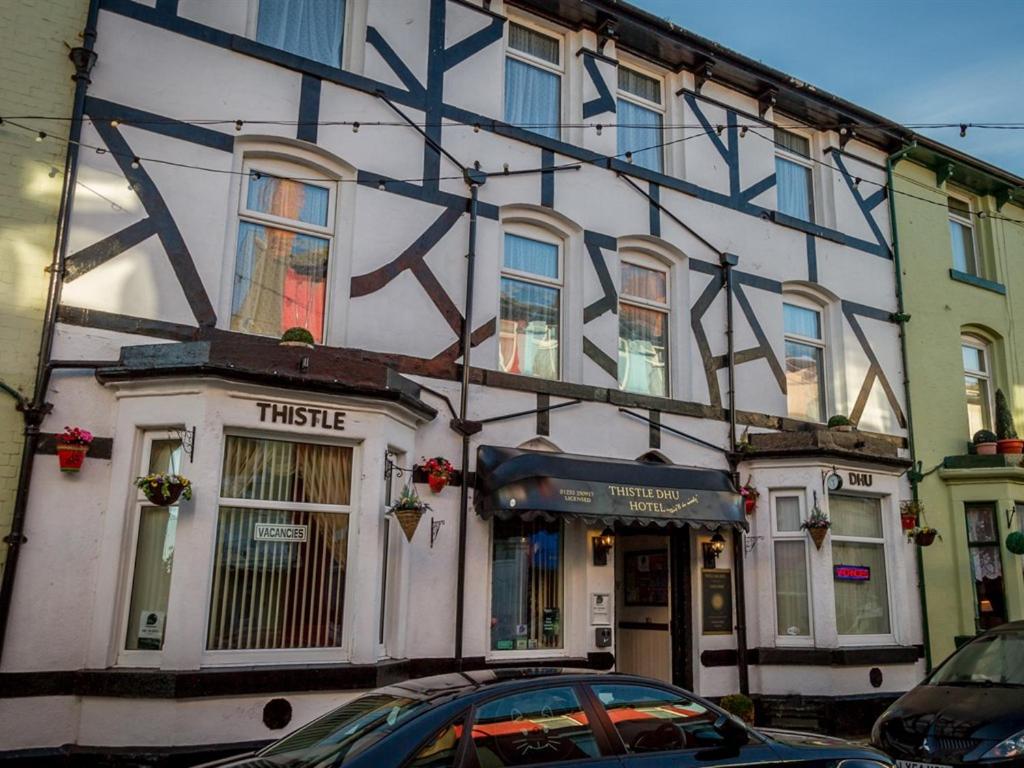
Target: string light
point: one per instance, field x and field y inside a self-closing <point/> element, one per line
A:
<point x="136" y="162"/>
<point x="40" y="136"/>
<point x="355" y="127"/>
<point x="382" y="185"/>
<point x="114" y="123"/>
<point x="629" y="157"/>
<point x="238" y="125"/>
<point x="598" y="129"/>
<point x="963" y="130"/>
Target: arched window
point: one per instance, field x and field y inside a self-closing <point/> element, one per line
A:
<point x="977" y="381"/>
<point x="805" y="349"/>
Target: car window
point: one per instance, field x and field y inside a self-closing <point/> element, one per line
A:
<point x="545" y="725"/>
<point x="440" y="751"/>
<point x="997" y="659"/>
<point x="650" y="719"/>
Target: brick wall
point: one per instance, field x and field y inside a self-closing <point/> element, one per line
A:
<point x="34" y="40"/>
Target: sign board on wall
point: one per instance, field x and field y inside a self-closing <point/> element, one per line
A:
<point x="296" y="534"/>
<point x="716" y="601"/>
<point x="151" y="630"/>
<point x="600" y="609"/>
<point x="328" y="419"/>
<point x="851" y="572"/>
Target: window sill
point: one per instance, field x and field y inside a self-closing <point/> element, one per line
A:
<point x="977" y="282"/>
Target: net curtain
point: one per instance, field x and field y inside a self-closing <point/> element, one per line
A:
<point x="309" y="28"/>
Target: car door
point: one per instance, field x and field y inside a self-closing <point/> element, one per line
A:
<point x="661" y="727"/>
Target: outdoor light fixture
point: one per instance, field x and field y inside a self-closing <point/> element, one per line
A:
<point x="712" y="550"/>
<point x="602" y="544"/>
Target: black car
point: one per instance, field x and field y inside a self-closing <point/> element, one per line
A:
<point x="542" y="717"/>
<point x="969" y="711"/>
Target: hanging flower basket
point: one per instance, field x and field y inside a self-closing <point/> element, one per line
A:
<point x="439" y="473"/>
<point x="750" y="495"/>
<point x="924" y="537"/>
<point x="818" y="536"/>
<point x="817" y="526"/>
<point x="163" y="489"/>
<point x="408" y="511"/>
<point x="72" y="447"/>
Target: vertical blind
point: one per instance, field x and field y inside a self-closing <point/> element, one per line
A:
<point x="279" y="573"/>
<point x="862" y="607"/>
<point x="309" y="28"/>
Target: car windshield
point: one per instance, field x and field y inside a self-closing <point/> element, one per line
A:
<point x="342" y="733"/>
<point x="997" y="659"/>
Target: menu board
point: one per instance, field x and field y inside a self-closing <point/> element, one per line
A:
<point x="716" y="601"/>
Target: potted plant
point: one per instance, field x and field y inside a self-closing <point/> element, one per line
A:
<point x="841" y="423"/>
<point x="1015" y="542"/>
<point x="740" y="705"/>
<point x="408" y="510"/>
<point x="164" y="488"/>
<point x="1006" y="432"/>
<point x="750" y="495"/>
<point x="297" y="337"/>
<point x="439" y="472"/>
<point x="72" y="446"/>
<point x="817" y="526"/>
<point x="985" y="442"/>
<point x="910" y="511"/>
<point x="923" y="536"/>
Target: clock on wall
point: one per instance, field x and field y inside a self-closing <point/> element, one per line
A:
<point x="833" y="482"/>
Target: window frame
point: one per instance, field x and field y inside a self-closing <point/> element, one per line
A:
<point x="126" y="657"/>
<point x="968" y="222"/>
<point x="800" y="534"/>
<point x="822" y="343"/>
<point x="540" y="235"/>
<point x="535" y="61"/>
<point x="806" y="161"/>
<point x="258" y="656"/>
<point x="984" y="347"/>
<point x="661" y="108"/>
<point x="884" y="511"/>
<point x="998" y="543"/>
<point x="283" y="169"/>
<point x="655" y="265"/>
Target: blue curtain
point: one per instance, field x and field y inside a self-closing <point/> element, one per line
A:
<point x="801" y="321"/>
<point x="532" y="98"/>
<point x="793" y="182"/>
<point x="525" y="255"/>
<point x="308" y="28"/>
<point x="639" y="132"/>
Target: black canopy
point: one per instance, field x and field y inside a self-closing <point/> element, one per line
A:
<point x="511" y="482"/>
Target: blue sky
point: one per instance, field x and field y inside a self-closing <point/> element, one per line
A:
<point x="915" y="61"/>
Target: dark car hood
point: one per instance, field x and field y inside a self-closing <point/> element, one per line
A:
<point x="962" y="710"/>
<point x="799" y="739"/>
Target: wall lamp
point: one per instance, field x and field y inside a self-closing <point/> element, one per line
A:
<point x="602" y="544"/>
<point x="712" y="550"/>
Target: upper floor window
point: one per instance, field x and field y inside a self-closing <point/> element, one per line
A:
<point x="805" y="362"/>
<point x="530" y="307"/>
<point x="312" y="29"/>
<point x="533" y="80"/>
<point x="862" y="605"/>
<point x="639" y="115"/>
<point x="961" y="233"/>
<point x="793" y="177"/>
<point x="284" y="242"/>
<point x="977" y="383"/>
<point x="643" y="330"/>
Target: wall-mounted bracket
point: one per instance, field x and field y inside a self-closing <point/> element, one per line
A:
<point x="750" y="543"/>
<point x="846" y="132"/>
<point x="435" y="528"/>
<point x="703" y="72"/>
<point x="608" y="30"/>
<point x="391" y="469"/>
<point x="943" y="173"/>
<point x="766" y="101"/>
<point x="1008" y="195"/>
<point x="188" y="441"/>
<point x="1010" y="514"/>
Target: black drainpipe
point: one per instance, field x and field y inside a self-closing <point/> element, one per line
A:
<point x="728" y="261"/>
<point x="34" y="411"/>
<point x="475" y="179"/>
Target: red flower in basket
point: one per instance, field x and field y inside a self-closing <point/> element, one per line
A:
<point x="439" y="472"/>
<point x="910" y="512"/>
<point x="749" y="494"/>
<point x="72" y="446"/>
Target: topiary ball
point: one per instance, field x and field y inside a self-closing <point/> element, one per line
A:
<point x="1015" y="542"/>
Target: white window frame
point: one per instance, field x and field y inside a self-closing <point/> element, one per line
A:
<point x="124" y="656"/>
<point x="651" y="263"/>
<point x="660" y="108"/>
<point x="887" y="520"/>
<point x="527" y="232"/>
<point x="535" y="61"/>
<point x="283" y="169"/>
<point x="806" y="162"/>
<point x="339" y="653"/>
<point x="800" y="535"/>
<point x="965" y="221"/>
<point x="821" y="343"/>
<point x="980" y="344"/>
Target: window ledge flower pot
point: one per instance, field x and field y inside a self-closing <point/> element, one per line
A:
<point x="1011" y="446"/>
<point x="437" y="483"/>
<point x="986" y="449"/>
<point x="71" y="457"/>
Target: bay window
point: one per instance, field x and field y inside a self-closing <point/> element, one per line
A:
<point x="986" y="565"/>
<point x="533" y="80"/>
<point x="530" y="307"/>
<point x="312" y="29"/>
<point x="977" y="383"/>
<point x="284" y="242"/>
<point x="805" y="363"/>
<point x="281" y="547"/>
<point x="643" y="329"/>
<point x="862" y="604"/>
<point x="526" y="585"/>
<point x="789" y="550"/>
<point x="639" y="115"/>
<point x="793" y="176"/>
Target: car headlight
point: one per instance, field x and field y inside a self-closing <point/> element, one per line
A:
<point x="1011" y="747"/>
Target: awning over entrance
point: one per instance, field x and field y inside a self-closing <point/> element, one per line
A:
<point x="511" y="482"/>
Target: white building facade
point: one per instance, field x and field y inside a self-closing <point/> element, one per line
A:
<point x="660" y="239"/>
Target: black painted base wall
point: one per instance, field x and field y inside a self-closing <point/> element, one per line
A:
<point x="846" y="716"/>
<point x="72" y="756"/>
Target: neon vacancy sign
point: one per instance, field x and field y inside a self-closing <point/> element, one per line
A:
<point x="851" y="572"/>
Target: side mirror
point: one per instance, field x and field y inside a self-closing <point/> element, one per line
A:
<point x="734" y="733"/>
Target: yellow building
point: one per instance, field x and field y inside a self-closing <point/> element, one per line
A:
<point x="35" y="38"/>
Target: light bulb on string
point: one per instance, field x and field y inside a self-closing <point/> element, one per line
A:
<point x="599" y="129"/>
<point x="40" y="136"/>
<point x="238" y="125"/>
<point x="136" y="162"/>
<point x="114" y="123"/>
<point x="382" y="185"/>
<point x="629" y="157"/>
<point x="963" y="130"/>
<point x="355" y="127"/>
